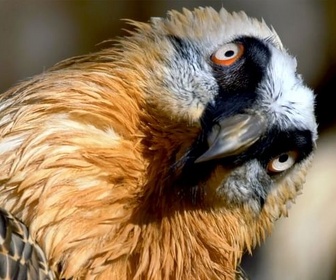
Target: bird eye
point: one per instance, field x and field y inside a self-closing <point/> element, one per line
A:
<point x="228" y="54"/>
<point x="282" y="162"/>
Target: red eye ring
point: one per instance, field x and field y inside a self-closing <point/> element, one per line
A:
<point x="228" y="54"/>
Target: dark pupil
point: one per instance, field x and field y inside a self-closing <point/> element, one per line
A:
<point x="229" y="53"/>
<point x="283" y="158"/>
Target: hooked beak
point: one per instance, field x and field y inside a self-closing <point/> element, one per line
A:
<point x="233" y="135"/>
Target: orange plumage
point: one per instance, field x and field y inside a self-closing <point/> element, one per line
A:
<point x="91" y="156"/>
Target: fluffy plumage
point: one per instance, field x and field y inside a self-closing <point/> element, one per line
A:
<point x="150" y="159"/>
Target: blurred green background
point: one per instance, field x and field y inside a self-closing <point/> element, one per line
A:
<point x="34" y="35"/>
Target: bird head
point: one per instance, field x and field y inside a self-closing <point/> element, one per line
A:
<point x="240" y="118"/>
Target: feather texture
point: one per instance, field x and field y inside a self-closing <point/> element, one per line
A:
<point x="20" y="256"/>
<point x="92" y="152"/>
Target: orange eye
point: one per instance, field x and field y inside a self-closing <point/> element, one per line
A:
<point x="228" y="54"/>
<point x="282" y="162"/>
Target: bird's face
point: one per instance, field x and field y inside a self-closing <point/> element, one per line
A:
<point x="255" y="115"/>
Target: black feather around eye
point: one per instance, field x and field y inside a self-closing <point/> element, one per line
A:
<point x="246" y="73"/>
<point x="277" y="142"/>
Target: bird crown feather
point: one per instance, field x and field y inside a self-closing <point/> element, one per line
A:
<point x="207" y="22"/>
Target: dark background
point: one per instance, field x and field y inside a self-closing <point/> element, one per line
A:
<point x="34" y="35"/>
